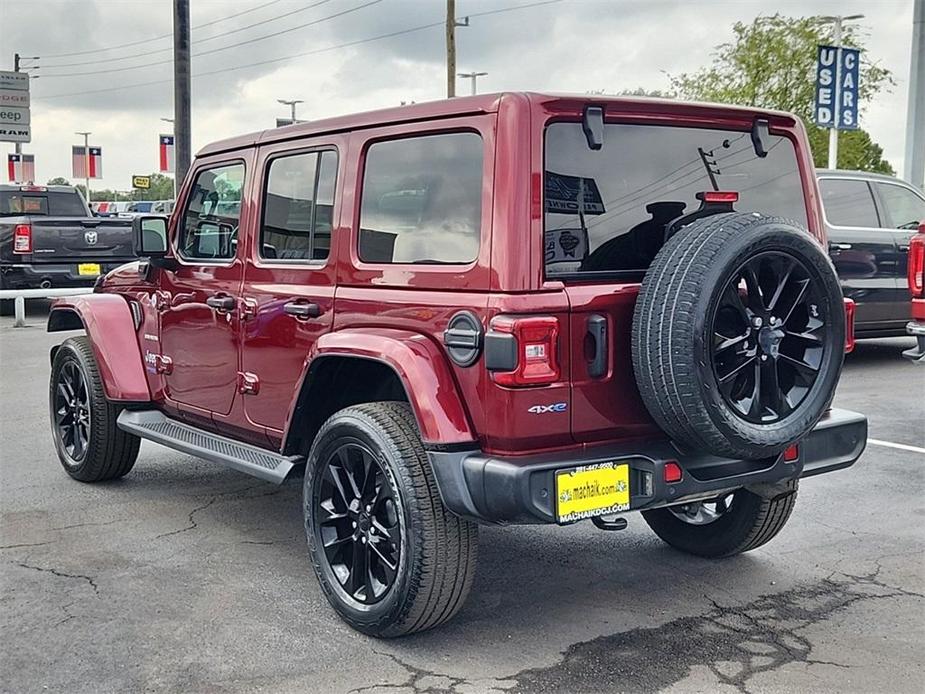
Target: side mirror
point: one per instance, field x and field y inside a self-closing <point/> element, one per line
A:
<point x="149" y="236"/>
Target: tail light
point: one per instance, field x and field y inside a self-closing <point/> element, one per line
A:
<point x="916" y="267"/>
<point x="22" y="238"/>
<point x="720" y="196"/>
<point x="533" y="348"/>
<point x="792" y="453"/>
<point x="850" y="307"/>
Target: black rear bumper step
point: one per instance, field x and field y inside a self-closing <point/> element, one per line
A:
<point x="155" y="426"/>
<point x="521" y="489"/>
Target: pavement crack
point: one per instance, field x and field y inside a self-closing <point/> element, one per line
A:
<point x="61" y="574"/>
<point x="192" y="524"/>
<point x="28" y="544"/>
<point x="734" y="642"/>
<point x="419" y="680"/>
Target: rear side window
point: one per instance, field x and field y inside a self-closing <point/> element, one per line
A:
<point x="209" y="229"/>
<point x="848" y="203"/>
<point x="298" y="207"/>
<point x="643" y="178"/>
<point x="904" y="208"/>
<point x="422" y="200"/>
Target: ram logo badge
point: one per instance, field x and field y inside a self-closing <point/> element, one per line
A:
<point x="544" y="409"/>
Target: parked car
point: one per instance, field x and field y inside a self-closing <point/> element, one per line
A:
<point x="162" y="207"/>
<point x="870" y="219"/>
<point x="916" y="326"/>
<point x="49" y="238"/>
<point x="508" y="308"/>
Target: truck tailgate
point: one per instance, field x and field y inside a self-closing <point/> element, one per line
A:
<point x="56" y="240"/>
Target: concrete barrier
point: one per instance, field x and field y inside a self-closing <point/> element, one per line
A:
<point x="19" y="297"/>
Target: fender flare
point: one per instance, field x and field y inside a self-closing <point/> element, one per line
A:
<point x="109" y="325"/>
<point x="421" y="368"/>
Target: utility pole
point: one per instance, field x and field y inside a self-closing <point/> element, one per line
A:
<point x="181" y="88"/>
<point x="86" y="136"/>
<point x="472" y="76"/>
<point x="836" y="41"/>
<point x="18" y="148"/>
<point x="451" y="25"/>
<point x="291" y="105"/>
<point x="914" y="157"/>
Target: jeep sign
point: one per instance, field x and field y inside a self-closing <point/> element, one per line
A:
<point x="14" y="116"/>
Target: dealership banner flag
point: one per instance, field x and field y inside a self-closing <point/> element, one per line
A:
<point x="80" y="161"/>
<point x="165" y="153"/>
<point x="20" y="168"/>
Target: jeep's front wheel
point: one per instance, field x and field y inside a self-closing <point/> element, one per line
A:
<point x="90" y="445"/>
<point x="730" y="524"/>
<point x="391" y="559"/>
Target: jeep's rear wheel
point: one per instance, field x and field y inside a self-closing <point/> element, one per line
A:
<point x="391" y="559"/>
<point x="90" y="445"/>
<point x="738" y="335"/>
<point x="730" y="524"/>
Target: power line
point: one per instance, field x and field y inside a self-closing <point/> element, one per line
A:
<point x="270" y="61"/>
<point x="162" y="36"/>
<point x="221" y="48"/>
<point x="198" y="41"/>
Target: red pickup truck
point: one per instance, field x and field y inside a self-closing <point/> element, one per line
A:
<point x="916" y="273"/>
<point x="508" y="308"/>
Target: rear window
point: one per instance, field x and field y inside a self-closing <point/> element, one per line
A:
<point x="53" y="204"/>
<point x="643" y="178"/>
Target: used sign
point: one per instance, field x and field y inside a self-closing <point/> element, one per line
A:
<point x="837" y="78"/>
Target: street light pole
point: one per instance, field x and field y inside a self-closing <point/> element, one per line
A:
<point x="836" y="40"/>
<point x="86" y="136"/>
<point x="291" y="105"/>
<point x="472" y="76"/>
<point x="914" y="158"/>
<point x="181" y="88"/>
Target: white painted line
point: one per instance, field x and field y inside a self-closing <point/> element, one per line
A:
<point x="900" y="446"/>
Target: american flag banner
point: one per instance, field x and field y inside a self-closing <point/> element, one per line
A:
<point x="79" y="162"/>
<point x="165" y="153"/>
<point x="20" y="168"/>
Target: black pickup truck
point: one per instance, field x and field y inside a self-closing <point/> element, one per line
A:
<point x="50" y="238"/>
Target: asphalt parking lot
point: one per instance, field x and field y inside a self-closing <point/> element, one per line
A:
<point x="186" y="576"/>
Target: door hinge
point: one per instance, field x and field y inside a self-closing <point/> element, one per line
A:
<point x="248" y="383"/>
<point x="248" y="308"/>
<point x="163" y="364"/>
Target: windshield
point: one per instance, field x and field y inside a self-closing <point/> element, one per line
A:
<point x="643" y="178"/>
<point x="49" y="203"/>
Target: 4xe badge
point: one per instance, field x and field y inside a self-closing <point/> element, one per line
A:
<point x="545" y="409"/>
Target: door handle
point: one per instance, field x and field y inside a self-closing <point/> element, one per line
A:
<point x="221" y="302"/>
<point x="302" y="309"/>
<point x="840" y="246"/>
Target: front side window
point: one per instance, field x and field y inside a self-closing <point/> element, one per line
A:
<point x="209" y="229"/>
<point x="904" y="208"/>
<point x="422" y="200"/>
<point x="298" y="207"/>
<point x="848" y="203"/>
<point x="643" y="178"/>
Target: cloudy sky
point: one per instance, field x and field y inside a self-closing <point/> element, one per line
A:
<point x="330" y="61"/>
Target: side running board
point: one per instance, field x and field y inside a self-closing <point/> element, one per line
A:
<point x="153" y="425"/>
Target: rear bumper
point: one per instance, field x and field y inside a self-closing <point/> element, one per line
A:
<point x="31" y="276"/>
<point x="522" y="489"/>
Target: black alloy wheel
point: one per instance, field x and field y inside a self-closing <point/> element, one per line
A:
<point x="769" y="337"/>
<point x="72" y="413"/>
<point x="357" y="522"/>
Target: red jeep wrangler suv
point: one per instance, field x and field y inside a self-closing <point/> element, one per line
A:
<point x="509" y="308"/>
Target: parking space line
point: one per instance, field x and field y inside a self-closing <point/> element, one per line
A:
<point x="900" y="446"/>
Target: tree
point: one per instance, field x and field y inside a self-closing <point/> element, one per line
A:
<point x="58" y="181"/>
<point x="771" y="63"/>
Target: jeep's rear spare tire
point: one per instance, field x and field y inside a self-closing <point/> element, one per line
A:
<point x="738" y="335"/>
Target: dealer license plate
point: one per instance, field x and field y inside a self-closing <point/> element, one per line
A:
<point x="592" y="490"/>
<point x="88" y="269"/>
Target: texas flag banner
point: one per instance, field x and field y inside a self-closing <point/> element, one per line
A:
<point x="20" y="168"/>
<point x="165" y="153"/>
<point x="79" y="161"/>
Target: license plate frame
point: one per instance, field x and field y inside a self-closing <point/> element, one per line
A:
<point x="89" y="269"/>
<point x="586" y="491"/>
